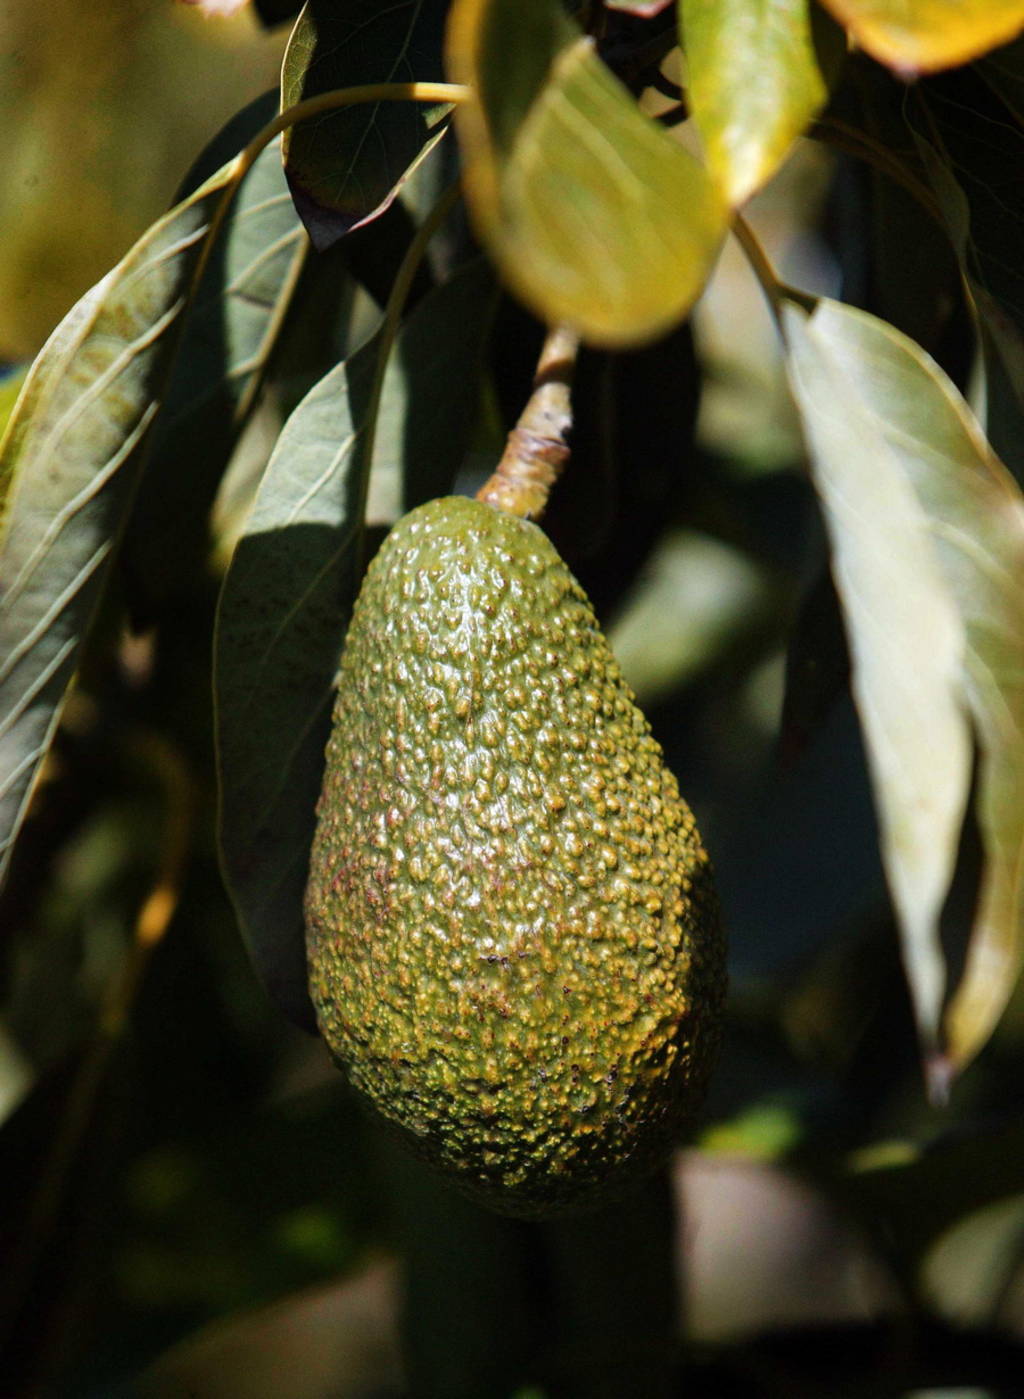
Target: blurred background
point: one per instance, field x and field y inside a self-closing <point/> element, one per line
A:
<point x="192" y="1202"/>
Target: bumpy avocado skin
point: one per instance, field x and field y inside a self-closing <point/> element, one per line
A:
<point x="515" y="949"/>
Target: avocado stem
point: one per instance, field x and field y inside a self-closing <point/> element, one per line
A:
<point x="537" y="448"/>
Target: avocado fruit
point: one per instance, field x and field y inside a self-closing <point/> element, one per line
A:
<point x="514" y="944"/>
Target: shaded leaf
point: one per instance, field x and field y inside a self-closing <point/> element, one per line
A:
<point x="282" y="616"/>
<point x="910" y="1195"/>
<point x="969" y="157"/>
<point x="227" y="340"/>
<point x="86" y="406"/>
<point x="755" y="82"/>
<point x="906" y="641"/>
<point x="423" y="435"/>
<point x="594" y="214"/>
<point x="288" y="594"/>
<point x="922" y="36"/>
<point x="346" y="167"/>
<point x="975" y="518"/>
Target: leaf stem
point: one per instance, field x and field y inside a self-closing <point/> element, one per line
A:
<point x="537" y="448"/>
<point x="776" y="292"/>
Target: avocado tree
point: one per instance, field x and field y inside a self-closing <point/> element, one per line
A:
<point x="471" y="237"/>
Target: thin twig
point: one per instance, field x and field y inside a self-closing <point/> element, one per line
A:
<point x="537" y="448"/>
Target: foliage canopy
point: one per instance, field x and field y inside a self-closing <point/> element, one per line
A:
<point x="339" y="319"/>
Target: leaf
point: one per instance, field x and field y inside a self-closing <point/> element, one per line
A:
<point x="227" y="340"/>
<point x="10" y="387"/>
<point x="968" y="157"/>
<point x="906" y="640"/>
<point x="594" y="214"/>
<point x="345" y="168"/>
<point x="422" y="435"/>
<point x="975" y="518"/>
<point x="288" y="594"/>
<point x="922" y="36"/>
<point x="87" y="404"/>
<point x="755" y="82"/>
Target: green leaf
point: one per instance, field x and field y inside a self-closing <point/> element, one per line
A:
<point x="901" y="403"/>
<point x="906" y="637"/>
<point x="431" y="392"/>
<point x="288" y="594"/>
<point x="922" y="36"/>
<point x="227" y="340"/>
<point x="71" y="442"/>
<point x="755" y="82"/>
<point x="10" y="387"/>
<point x="595" y="215"/>
<point x="346" y="167"/>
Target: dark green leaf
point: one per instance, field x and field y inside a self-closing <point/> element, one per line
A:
<point x="86" y="407"/>
<point x="428" y="406"/>
<point x="595" y="215"/>
<point x="289" y="590"/>
<point x="227" y="341"/>
<point x="346" y="167"/>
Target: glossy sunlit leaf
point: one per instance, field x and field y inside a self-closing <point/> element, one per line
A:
<point x="288" y="592"/>
<point x="906" y="640"/>
<point x="227" y="340"/>
<point x="755" y="81"/>
<point x="975" y="518"/>
<point x="71" y="442"/>
<point x="595" y="215"/>
<point x="346" y="167"/>
<point x="922" y="36"/>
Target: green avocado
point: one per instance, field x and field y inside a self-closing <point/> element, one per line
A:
<point x="514" y="944"/>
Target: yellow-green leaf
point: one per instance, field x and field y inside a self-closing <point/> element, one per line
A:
<point x="71" y="446"/>
<point x="594" y="214"/>
<point x="906" y="420"/>
<point x="922" y="36"/>
<point x="755" y="81"/>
